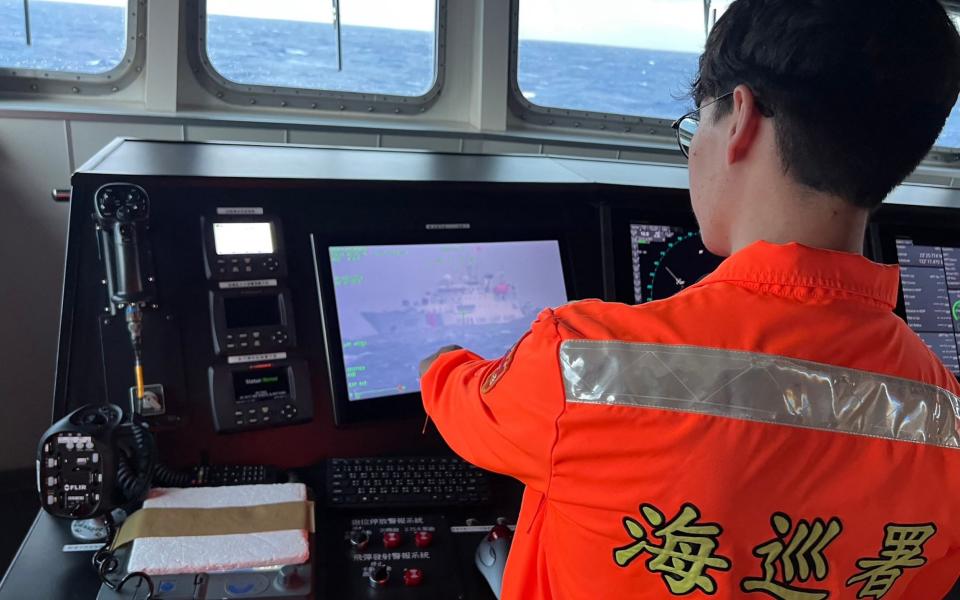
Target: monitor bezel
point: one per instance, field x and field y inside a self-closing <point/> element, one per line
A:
<point x="408" y="405"/>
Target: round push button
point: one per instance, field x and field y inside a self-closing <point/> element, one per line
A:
<point x="423" y="539"/>
<point x="412" y="577"/>
<point x="391" y="540"/>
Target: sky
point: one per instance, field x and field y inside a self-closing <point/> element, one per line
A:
<point x="660" y="24"/>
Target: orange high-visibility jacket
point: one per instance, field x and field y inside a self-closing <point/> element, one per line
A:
<point x="772" y="431"/>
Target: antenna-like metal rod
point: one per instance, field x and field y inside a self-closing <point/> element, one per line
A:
<point x="26" y="21"/>
<point x="337" y="32"/>
<point x="706" y="18"/>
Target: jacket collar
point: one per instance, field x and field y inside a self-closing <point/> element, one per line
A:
<point x="795" y="265"/>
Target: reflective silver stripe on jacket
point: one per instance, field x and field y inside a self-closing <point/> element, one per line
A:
<point x="759" y="387"/>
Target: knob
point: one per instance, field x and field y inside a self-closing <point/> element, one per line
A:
<point x="392" y="539"/>
<point x="412" y="577"/>
<point x="359" y="539"/>
<point x="423" y="539"/>
<point x="288" y="578"/>
<point x="500" y="531"/>
<point x="379" y="576"/>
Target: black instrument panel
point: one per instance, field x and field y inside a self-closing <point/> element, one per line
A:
<point x="241" y="255"/>
<point x="241" y="277"/>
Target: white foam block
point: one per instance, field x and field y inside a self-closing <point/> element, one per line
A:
<point x="212" y="553"/>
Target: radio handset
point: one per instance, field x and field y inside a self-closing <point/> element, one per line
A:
<point x="121" y="210"/>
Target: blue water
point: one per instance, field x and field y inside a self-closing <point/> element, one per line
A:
<point x="66" y="37"/>
<point x="607" y="79"/>
<point x="304" y="55"/>
<point x="91" y="39"/>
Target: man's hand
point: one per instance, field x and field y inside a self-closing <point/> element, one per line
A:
<point x="425" y="363"/>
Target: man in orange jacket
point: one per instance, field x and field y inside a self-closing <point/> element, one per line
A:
<point x="774" y="430"/>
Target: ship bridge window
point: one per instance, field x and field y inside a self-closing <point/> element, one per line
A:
<point x="302" y="50"/>
<point x="93" y="42"/>
<point x="619" y="61"/>
<point x="950" y="136"/>
<point x="620" y="65"/>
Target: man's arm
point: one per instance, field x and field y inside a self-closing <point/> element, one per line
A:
<point x="426" y="363"/>
<point x="501" y="414"/>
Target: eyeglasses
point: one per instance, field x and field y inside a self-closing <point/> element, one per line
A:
<point x="688" y="124"/>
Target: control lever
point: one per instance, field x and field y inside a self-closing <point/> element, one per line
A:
<point x="122" y="209"/>
<point x="129" y="283"/>
<point x="491" y="555"/>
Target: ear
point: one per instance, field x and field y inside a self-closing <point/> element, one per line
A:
<point x="744" y="124"/>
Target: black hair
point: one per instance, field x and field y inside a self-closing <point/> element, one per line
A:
<point x="859" y="89"/>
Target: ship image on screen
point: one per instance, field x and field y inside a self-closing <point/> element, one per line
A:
<point x="930" y="277"/>
<point x="667" y="259"/>
<point x="399" y="304"/>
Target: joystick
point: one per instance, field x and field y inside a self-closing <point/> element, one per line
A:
<point x="491" y="556"/>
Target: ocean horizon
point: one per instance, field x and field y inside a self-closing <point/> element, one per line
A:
<point x="277" y="53"/>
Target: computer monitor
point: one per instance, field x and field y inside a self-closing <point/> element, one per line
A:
<point x="657" y="254"/>
<point x="393" y="305"/>
<point x="930" y="277"/>
<point x="929" y="301"/>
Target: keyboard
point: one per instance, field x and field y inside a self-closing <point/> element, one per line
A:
<point x="217" y="475"/>
<point x="405" y="481"/>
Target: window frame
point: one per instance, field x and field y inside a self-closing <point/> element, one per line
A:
<point x="45" y="81"/>
<point x="282" y="97"/>
<point x="535" y="114"/>
<point x="592" y="121"/>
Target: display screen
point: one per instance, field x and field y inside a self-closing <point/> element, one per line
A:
<point x="251" y="311"/>
<point x="930" y="278"/>
<point x="243" y="238"/>
<point x="399" y="304"/>
<point x="667" y="259"/>
<point x="258" y="385"/>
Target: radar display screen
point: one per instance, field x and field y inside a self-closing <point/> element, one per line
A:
<point x="398" y="304"/>
<point x="667" y="259"/>
<point x="930" y="279"/>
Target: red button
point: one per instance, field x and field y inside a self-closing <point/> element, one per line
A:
<point x="391" y="540"/>
<point x="412" y="577"/>
<point x="423" y="539"/>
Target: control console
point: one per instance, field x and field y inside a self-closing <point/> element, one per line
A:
<point x="259" y="380"/>
<point x="258" y="391"/>
<point x="395" y="556"/>
<point x="252" y="319"/>
<point x="242" y="243"/>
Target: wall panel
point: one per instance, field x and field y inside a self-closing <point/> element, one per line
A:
<point x="90" y="136"/>
<point x="33" y="160"/>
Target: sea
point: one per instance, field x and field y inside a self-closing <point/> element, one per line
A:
<point x="610" y="79"/>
